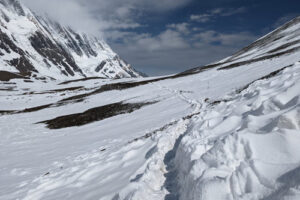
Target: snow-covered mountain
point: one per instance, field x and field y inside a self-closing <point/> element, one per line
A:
<point x="226" y="131"/>
<point x="39" y="47"/>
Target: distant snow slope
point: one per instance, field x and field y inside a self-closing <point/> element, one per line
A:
<point x="34" y="46"/>
<point x="281" y="42"/>
<point x="227" y="131"/>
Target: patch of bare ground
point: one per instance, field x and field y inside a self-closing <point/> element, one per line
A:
<point x="123" y="86"/>
<point x="284" y="46"/>
<point x="94" y="114"/>
<point x="8" y="89"/>
<point x="32" y="109"/>
<point x="26" y="110"/>
<point x="7" y="76"/>
<point x="5" y="112"/>
<point x="57" y="90"/>
<point x="247" y="62"/>
<point x="79" y="80"/>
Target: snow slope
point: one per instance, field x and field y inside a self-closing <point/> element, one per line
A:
<point x="246" y="148"/>
<point x="212" y="133"/>
<point x="36" y="46"/>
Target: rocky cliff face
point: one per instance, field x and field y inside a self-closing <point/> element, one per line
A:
<point x="38" y="47"/>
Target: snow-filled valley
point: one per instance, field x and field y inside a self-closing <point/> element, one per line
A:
<point x="226" y="131"/>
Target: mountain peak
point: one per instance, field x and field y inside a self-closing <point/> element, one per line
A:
<point x="14" y="5"/>
<point x="41" y="47"/>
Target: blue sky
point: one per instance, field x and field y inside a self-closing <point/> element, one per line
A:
<point x="168" y="36"/>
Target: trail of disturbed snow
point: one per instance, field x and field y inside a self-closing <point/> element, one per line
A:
<point x="171" y="175"/>
<point x="158" y="180"/>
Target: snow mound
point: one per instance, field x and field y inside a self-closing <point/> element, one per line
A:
<point x="246" y="148"/>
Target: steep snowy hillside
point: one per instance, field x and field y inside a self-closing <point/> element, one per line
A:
<point x="226" y="131"/>
<point x="37" y="47"/>
<point x="282" y="42"/>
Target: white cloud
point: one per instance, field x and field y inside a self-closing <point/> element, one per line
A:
<point x="206" y="37"/>
<point x="224" y="39"/>
<point x="100" y="16"/>
<point x="76" y="15"/>
<point x="181" y="27"/>
<point x="203" y="18"/>
<point x="166" y="40"/>
<point x="232" y="11"/>
<point x="217" y="12"/>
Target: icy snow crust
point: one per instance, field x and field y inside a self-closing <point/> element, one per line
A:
<point x="218" y="134"/>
